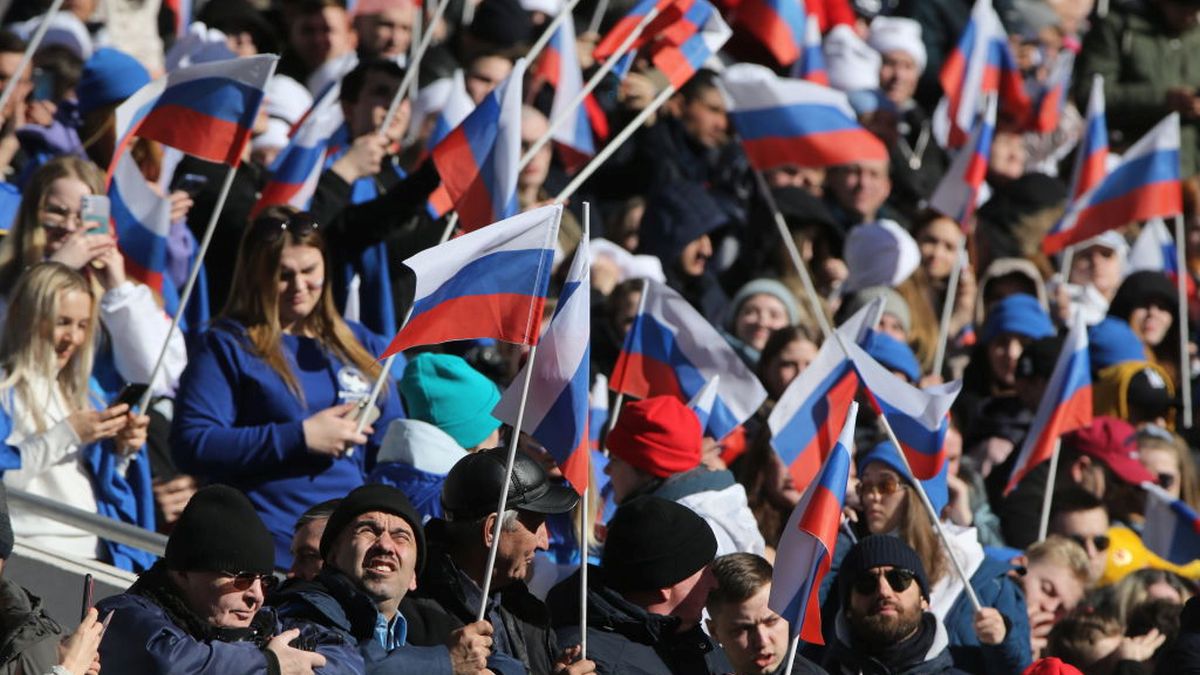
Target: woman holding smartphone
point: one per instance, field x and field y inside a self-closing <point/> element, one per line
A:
<point x="61" y="441"/>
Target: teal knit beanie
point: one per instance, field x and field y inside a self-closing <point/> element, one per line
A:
<point x="445" y="391"/>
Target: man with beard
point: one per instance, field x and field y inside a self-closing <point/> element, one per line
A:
<point x="884" y="625"/>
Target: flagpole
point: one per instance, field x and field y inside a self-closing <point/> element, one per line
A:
<point x="451" y="223"/>
<point x="939" y="356"/>
<point x="1185" y="359"/>
<point x="410" y="73"/>
<point x="1048" y="498"/>
<point x="30" y="49"/>
<point x="501" y="505"/>
<point x="583" y="566"/>
<point x="1067" y="258"/>
<point x="613" y="145"/>
<point x="598" y="17"/>
<point x="641" y="307"/>
<point x="188" y="287"/>
<point x="544" y="38"/>
<point x="377" y="387"/>
<point x="414" y="59"/>
<point x="606" y="67"/>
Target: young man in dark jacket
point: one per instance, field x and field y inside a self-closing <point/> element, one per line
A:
<point x="200" y="609"/>
<point x="646" y="600"/>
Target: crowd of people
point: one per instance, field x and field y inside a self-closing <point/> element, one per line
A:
<point x="300" y="540"/>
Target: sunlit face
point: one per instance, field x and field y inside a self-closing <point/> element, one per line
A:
<point x="898" y="75"/>
<point x="514" y="560"/>
<point x="1003" y="352"/>
<point x="378" y="551"/>
<point x="790" y="362"/>
<point x="71" y="324"/>
<point x="939" y="241"/>
<point x="779" y="484"/>
<point x="890" y="325"/>
<point x="887" y="615"/>
<point x="301" y="277"/>
<point x="705" y="120"/>
<point x="754" y="638"/>
<point x="882" y="510"/>
<point x="388" y="33"/>
<point x="757" y="317"/>
<point x="693" y="260"/>
<point x="862" y="187"/>
<point x="1099" y="266"/>
<point x="321" y="36"/>
<point x="1089" y="529"/>
<point x="485" y="74"/>
<point x="221" y="599"/>
<point x="1008" y="155"/>
<point x="60" y="213"/>
<point x="686" y="599"/>
<point x="1163" y="463"/>
<point x="1151" y="322"/>
<point x="1051" y="588"/>
<point x="306" y="549"/>
<point x="533" y="127"/>
<point x="953" y="446"/>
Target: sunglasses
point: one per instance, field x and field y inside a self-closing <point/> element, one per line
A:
<point x="242" y="581"/>
<point x="898" y="578"/>
<point x="886" y="487"/>
<point x="270" y="229"/>
<point x="1100" y="541"/>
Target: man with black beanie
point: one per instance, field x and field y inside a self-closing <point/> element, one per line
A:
<point x="646" y="600"/>
<point x="200" y="609"/>
<point x="374" y="547"/>
<point x="884" y="624"/>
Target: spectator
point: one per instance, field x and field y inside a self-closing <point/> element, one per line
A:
<point x="318" y="31"/>
<point x="306" y="541"/>
<point x="200" y="609"/>
<point x="484" y="71"/>
<point x="1095" y="276"/>
<point x="416" y="457"/>
<point x="247" y="413"/>
<point x="1149" y="303"/>
<point x="384" y="29"/>
<point x="757" y="310"/>
<point x="785" y="355"/>
<point x="1095" y="643"/>
<point x="856" y="193"/>
<point x="1166" y="455"/>
<point x="1081" y="517"/>
<point x="1057" y="572"/>
<point x="445" y="391"/>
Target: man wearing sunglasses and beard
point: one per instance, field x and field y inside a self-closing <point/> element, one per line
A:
<point x="884" y="624"/>
<point x="200" y="609"/>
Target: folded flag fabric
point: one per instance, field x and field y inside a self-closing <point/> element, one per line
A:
<point x="1053" y="99"/>
<point x="957" y="193"/>
<point x="1153" y="250"/>
<point x="780" y="26"/>
<point x="296" y="170"/>
<point x="811" y="65"/>
<point x="141" y="220"/>
<point x="679" y="61"/>
<point x="1172" y="528"/>
<point x="559" y="66"/>
<point x="667" y="12"/>
<point x="702" y="402"/>
<point x="1091" y="157"/>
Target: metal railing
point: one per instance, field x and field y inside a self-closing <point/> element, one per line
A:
<point x="101" y="526"/>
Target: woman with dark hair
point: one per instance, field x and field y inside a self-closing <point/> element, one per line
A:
<point x="270" y="398"/>
<point x="1149" y="303"/>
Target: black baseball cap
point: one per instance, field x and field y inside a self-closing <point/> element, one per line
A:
<point x="472" y="487"/>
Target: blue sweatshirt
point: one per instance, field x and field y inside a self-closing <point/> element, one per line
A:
<point x="236" y="422"/>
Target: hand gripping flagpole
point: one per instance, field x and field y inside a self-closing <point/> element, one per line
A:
<point x="939" y="356"/>
<point x="1185" y="358"/>
<point x="30" y="50"/>
<point x="544" y="38"/>
<point x="410" y="73"/>
<point x="364" y="406"/>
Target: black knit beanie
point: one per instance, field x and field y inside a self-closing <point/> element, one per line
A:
<point x="374" y="497"/>
<point x="654" y="544"/>
<point x="879" y="550"/>
<point x="219" y="531"/>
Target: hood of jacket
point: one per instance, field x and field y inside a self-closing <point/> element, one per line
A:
<point x="420" y="445"/>
<point x="1002" y="267"/>
<point x="677" y="214"/>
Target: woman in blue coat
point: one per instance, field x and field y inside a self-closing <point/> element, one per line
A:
<point x="272" y="391"/>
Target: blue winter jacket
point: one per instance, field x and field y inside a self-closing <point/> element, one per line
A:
<point x="995" y="589"/>
<point x="236" y="422"/>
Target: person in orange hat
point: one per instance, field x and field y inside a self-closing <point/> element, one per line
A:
<point x="655" y="449"/>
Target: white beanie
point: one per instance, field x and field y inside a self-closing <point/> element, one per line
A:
<point x="896" y="34"/>
<point x="879" y="254"/>
<point x="286" y="102"/>
<point x="851" y="63"/>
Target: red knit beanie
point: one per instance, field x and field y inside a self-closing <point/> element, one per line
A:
<point x="658" y="435"/>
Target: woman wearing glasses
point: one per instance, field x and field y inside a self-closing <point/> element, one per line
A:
<point x="49" y="226"/>
<point x="271" y="395"/>
<point x="996" y="640"/>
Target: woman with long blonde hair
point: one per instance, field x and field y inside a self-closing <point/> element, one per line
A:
<point x="270" y="397"/>
<point x="61" y="441"/>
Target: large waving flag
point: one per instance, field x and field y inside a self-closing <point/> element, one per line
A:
<point x="556" y="410"/>
<point x="918" y="416"/>
<point x="298" y="167"/>
<point x="206" y="110"/>
<point x="957" y="193"/>
<point x="559" y="66"/>
<point x="811" y="65"/>
<point x="1066" y="404"/>
<point x="806" y="420"/>
<point x="141" y="220"/>
<point x="478" y="160"/>
<point x="1053" y="99"/>
<point x="1091" y="157"/>
<point x="1144" y="185"/>
<point x="490" y="283"/>
<point x="680" y="60"/>
<point x="672" y="350"/>
<point x="779" y="25"/>
<point x="784" y="121"/>
<point x="1172" y="527"/>
<point x="980" y="64"/>
<point x="807" y="545"/>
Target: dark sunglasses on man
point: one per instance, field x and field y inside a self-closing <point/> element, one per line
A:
<point x="242" y="581"/>
<point x="1100" y="541"/>
<point x="898" y="578"/>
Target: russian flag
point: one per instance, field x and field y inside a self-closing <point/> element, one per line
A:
<point x="668" y="13"/>
<point x="680" y="62"/>
<point x="490" y="283"/>
<point x="784" y="121"/>
<point x="1144" y="185"/>
<point x="672" y="350"/>
<point x="920" y="417"/>
<point x="1066" y="405"/>
<point x="298" y="167"/>
<point x="559" y="66"/>
<point x="1172" y="529"/>
<point x="806" y="420"/>
<point x="779" y="25"/>
<point x="1053" y="100"/>
<point x="811" y="66"/>
<point x="980" y="64"/>
<point x="807" y="545"/>
<point x="597" y="410"/>
<point x="206" y="110"/>
<point x="478" y="160"/>
<point x="454" y="110"/>
<point x="702" y="402"/>
<point x="1154" y="249"/>
<point x="556" y="410"/>
<point x="141" y="220"/>
<point x="1091" y="156"/>
<point x="957" y="193"/>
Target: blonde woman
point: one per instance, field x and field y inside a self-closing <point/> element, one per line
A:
<point x="60" y="443"/>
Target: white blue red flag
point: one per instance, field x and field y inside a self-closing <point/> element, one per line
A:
<point x="784" y="121"/>
<point x="1146" y="184"/>
<point x="1172" y="529"/>
<point x="779" y="25"/>
<point x="1091" y="156"/>
<point x="141" y="220"/>
<point x="597" y="410"/>
<point x="671" y="350"/>
<point x="296" y="170"/>
<point x="957" y="193"/>
<point x="702" y="402"/>
<point x="457" y="106"/>
<point x="559" y="66"/>
<point x="478" y="160"/>
<point x="1053" y="99"/>
<point x="490" y="283"/>
<point x="807" y="546"/>
<point x="1153" y="250"/>
<point x="811" y="66"/>
<point x="669" y="12"/>
<point x="680" y="60"/>
<point x="556" y="410"/>
<point x="1066" y="404"/>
